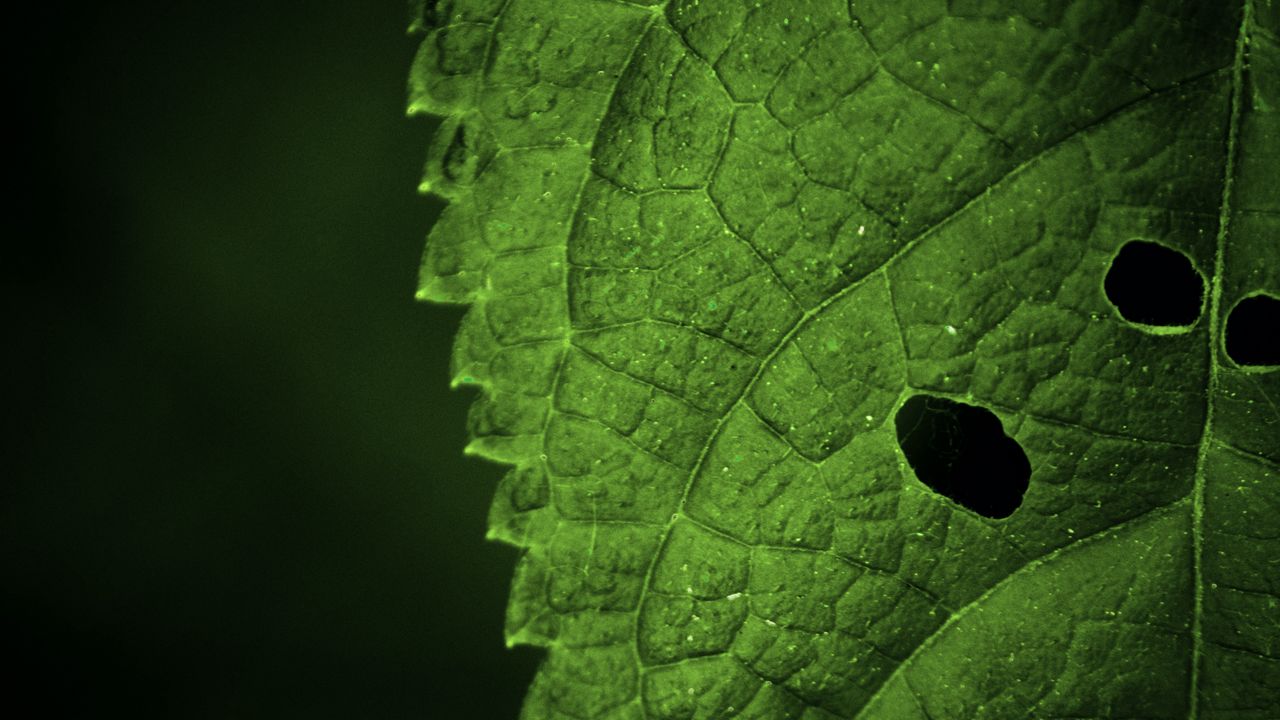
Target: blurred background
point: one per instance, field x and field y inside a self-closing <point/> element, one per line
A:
<point x="239" y="486"/>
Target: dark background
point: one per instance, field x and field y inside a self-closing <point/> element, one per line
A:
<point x="239" y="487"/>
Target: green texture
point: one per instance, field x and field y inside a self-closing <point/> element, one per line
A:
<point x="710" y="246"/>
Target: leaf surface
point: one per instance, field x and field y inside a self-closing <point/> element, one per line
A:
<point x="711" y="246"/>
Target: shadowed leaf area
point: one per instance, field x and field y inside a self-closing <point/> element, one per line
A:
<point x="805" y="327"/>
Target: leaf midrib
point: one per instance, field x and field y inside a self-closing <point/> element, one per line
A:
<point x="1215" y="304"/>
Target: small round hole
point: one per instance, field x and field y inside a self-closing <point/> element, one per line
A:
<point x="1253" y="331"/>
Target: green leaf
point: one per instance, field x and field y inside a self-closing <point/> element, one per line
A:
<point x="711" y="246"/>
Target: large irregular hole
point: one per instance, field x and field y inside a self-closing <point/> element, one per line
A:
<point x="1152" y="284"/>
<point x="1253" y="331"/>
<point x="961" y="451"/>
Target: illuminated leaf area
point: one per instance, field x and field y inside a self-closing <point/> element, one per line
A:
<point x="751" y="283"/>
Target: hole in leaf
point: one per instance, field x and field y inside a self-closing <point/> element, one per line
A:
<point x="961" y="451"/>
<point x="1154" y="285"/>
<point x="1253" y="331"/>
<point x="436" y="12"/>
<point x="469" y="151"/>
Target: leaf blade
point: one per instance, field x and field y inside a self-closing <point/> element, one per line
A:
<point x="707" y="394"/>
